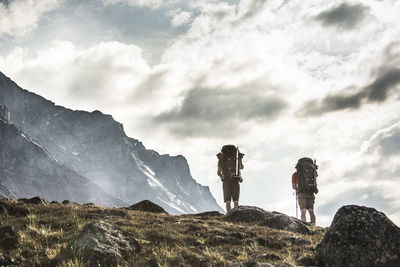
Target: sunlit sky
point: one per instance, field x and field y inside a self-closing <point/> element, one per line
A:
<point x="280" y="79"/>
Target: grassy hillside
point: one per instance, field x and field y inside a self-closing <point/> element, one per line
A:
<point x="44" y="230"/>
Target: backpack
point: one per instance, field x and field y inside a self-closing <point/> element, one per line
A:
<point x="230" y="162"/>
<point x="307" y="171"/>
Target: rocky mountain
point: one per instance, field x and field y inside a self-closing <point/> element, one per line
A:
<point x="27" y="169"/>
<point x="96" y="147"/>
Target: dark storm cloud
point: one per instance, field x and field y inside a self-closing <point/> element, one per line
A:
<point x="386" y="81"/>
<point x="345" y="16"/>
<point x="216" y="112"/>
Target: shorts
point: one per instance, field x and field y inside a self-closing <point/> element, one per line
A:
<point x="306" y="201"/>
<point x="231" y="190"/>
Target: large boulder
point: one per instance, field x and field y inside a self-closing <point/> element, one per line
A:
<point x="148" y="206"/>
<point x="274" y="220"/>
<point x="360" y="236"/>
<point x="100" y="244"/>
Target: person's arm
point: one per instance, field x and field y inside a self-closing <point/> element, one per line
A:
<point x="294" y="181"/>
<point x="219" y="168"/>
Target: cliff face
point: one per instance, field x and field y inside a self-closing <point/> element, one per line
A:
<point x="27" y="169"/>
<point x="95" y="146"/>
<point x="4" y="114"/>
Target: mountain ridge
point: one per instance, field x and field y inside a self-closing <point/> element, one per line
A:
<point x="96" y="146"/>
<point x="33" y="171"/>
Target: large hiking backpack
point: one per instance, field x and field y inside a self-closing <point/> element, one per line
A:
<point x="307" y="171"/>
<point x="230" y="162"/>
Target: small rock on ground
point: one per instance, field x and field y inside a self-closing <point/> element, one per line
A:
<point x="100" y="243"/>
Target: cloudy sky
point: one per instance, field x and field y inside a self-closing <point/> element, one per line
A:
<point x="282" y="79"/>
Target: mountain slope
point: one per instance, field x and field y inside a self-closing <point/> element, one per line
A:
<point x="27" y="170"/>
<point x="96" y="146"/>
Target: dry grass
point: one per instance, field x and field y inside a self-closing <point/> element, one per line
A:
<point x="165" y="240"/>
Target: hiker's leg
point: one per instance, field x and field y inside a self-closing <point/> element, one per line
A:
<point x="228" y="206"/>
<point x="303" y="215"/>
<point x="227" y="195"/>
<point x="312" y="216"/>
<point x="303" y="208"/>
<point x="235" y="194"/>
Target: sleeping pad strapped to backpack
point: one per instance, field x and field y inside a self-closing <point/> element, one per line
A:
<point x="307" y="171"/>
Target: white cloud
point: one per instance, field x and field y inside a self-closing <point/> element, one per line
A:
<point x="179" y="17"/>
<point x="144" y="3"/>
<point x="20" y="17"/>
<point x="101" y="76"/>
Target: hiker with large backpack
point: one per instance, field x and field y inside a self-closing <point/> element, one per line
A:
<point x="229" y="166"/>
<point x="304" y="181"/>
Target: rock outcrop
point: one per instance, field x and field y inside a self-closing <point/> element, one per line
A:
<point x="148" y="206"/>
<point x="360" y="236"/>
<point x="34" y="200"/>
<point x="274" y="220"/>
<point x="100" y="244"/>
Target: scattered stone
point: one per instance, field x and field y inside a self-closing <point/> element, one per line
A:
<point x="8" y="238"/>
<point x="34" y="200"/>
<point x="274" y="220"/>
<point x="100" y="243"/>
<point x="269" y="257"/>
<point x="147" y="206"/>
<point x="54" y="202"/>
<point x="360" y="236"/>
